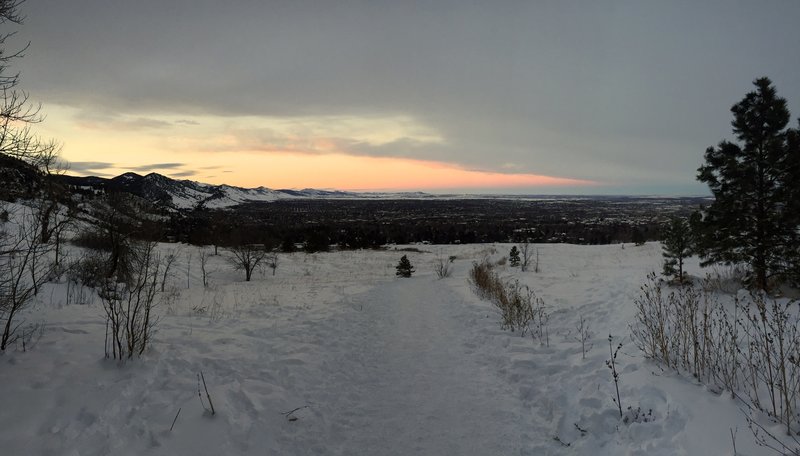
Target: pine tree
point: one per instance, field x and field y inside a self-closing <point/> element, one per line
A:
<point x="513" y="257"/>
<point x="637" y="237"/>
<point x="792" y="199"/>
<point x="404" y="268"/>
<point x="753" y="218"/>
<point x="677" y="245"/>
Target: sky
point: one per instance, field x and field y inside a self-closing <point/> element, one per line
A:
<point x="537" y="97"/>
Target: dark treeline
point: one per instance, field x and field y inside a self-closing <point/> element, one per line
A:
<point x="317" y="224"/>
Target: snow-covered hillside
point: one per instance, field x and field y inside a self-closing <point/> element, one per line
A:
<point x="334" y="355"/>
<point x="186" y="194"/>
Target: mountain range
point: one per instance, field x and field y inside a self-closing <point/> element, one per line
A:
<point x="182" y="195"/>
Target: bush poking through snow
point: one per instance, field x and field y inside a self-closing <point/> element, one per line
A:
<point x="442" y="266"/>
<point x="637" y="415"/>
<point x="584" y="333"/>
<point x="751" y="348"/>
<point x="612" y="365"/>
<point x="521" y="310"/>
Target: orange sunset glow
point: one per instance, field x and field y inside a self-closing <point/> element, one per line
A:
<point x="301" y="152"/>
<point x="347" y="172"/>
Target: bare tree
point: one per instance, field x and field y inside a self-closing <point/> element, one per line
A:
<point x="60" y="220"/>
<point x="22" y="250"/>
<point x="273" y="261"/>
<point x="527" y="253"/>
<point x="16" y="112"/>
<point x="20" y="273"/>
<point x="167" y="261"/>
<point x="247" y="257"/>
<point x="188" y="269"/>
<point x="204" y="265"/>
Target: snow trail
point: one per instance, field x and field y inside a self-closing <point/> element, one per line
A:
<point x="416" y="386"/>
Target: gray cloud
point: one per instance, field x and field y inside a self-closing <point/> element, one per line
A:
<point x="101" y="118"/>
<point x="157" y="166"/>
<point x="89" y="167"/>
<point x="183" y="174"/>
<point x="626" y="92"/>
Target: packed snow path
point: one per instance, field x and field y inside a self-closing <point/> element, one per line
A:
<point x="416" y="387"/>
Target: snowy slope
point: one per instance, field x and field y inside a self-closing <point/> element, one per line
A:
<point x="374" y="364"/>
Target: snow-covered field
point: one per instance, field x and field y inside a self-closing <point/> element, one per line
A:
<point x="370" y="363"/>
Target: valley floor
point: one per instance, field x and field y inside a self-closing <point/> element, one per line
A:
<point x="334" y="355"/>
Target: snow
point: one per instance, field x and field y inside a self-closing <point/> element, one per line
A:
<point x="372" y="363"/>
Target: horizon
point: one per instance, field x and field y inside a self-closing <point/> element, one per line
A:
<point x="619" y="98"/>
<point x="443" y="193"/>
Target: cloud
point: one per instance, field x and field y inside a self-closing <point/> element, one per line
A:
<point x="110" y="120"/>
<point x="595" y="91"/>
<point x="399" y="148"/>
<point x="186" y="173"/>
<point x="157" y="166"/>
<point x="89" y="167"/>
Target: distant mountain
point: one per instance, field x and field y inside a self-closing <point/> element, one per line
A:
<point x="182" y="195"/>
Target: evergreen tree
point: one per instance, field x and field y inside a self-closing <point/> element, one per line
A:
<point x="677" y="246"/>
<point x="793" y="200"/>
<point x="513" y="257"/>
<point x="638" y="237"/>
<point x="752" y="219"/>
<point x="404" y="268"/>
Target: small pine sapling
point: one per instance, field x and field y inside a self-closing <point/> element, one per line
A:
<point x="513" y="257"/>
<point x="677" y="246"/>
<point x="404" y="267"/>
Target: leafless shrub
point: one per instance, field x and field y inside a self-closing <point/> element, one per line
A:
<point x="612" y="366"/>
<point x="583" y="334"/>
<point x="89" y="270"/>
<point x="484" y="281"/>
<point x="650" y="330"/>
<point x="215" y="310"/>
<point x="273" y="261"/>
<point x="750" y="347"/>
<point x="773" y="352"/>
<point x="521" y="310"/>
<point x="204" y="255"/>
<point x="442" y="266"/>
<point x="784" y="445"/>
<point x="128" y="305"/>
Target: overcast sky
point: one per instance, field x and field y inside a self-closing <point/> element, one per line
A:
<point x="599" y="96"/>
